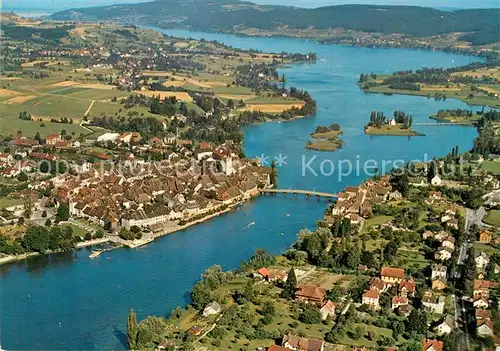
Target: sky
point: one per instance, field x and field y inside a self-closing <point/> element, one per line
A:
<point x="54" y="5"/>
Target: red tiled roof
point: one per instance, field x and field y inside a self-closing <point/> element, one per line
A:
<point x="392" y="272"/>
<point x="408" y="284"/>
<point x="372" y="294"/>
<point x="277" y="348"/>
<point x="436" y="344"/>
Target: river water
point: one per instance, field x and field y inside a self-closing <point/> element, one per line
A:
<point x="67" y="301"/>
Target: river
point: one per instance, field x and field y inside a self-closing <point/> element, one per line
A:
<point x="67" y="301"/>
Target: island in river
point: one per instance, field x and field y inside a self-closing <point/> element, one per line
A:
<point x="400" y="125"/>
<point x="326" y="138"/>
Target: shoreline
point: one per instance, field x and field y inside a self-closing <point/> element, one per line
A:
<point x="80" y="245"/>
<point x="417" y="93"/>
<point x="164" y="230"/>
<point x="327" y="41"/>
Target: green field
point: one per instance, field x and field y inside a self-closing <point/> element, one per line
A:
<point x="492" y="167"/>
<point x="30" y="128"/>
<point x="493" y="218"/>
<point x="7" y="202"/>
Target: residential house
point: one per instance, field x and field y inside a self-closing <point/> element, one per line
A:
<point x="392" y="275"/>
<point x="483" y="315"/>
<point x="298" y="343"/>
<point x="328" y="310"/>
<point x="405" y="310"/>
<point x="480" y="302"/>
<point x="485" y="328"/>
<point x="438" y="271"/>
<point x="310" y="294"/>
<point x="52" y="139"/>
<point x="432" y="345"/>
<point x="433" y="303"/>
<point x="277" y="348"/>
<point x="6" y="158"/>
<point x="482" y="260"/>
<point x="371" y="298"/>
<point x="446" y="326"/>
<point x="407" y="287"/>
<point x="212" y="308"/>
<point x="379" y="285"/>
<point x="438" y="284"/>
<point x="485" y="237"/>
<point x="195" y="330"/>
<point x="449" y="242"/>
<point x="398" y="301"/>
<point x="481" y="287"/>
<point x="434" y="196"/>
<point x="443" y="254"/>
<point x="271" y="275"/>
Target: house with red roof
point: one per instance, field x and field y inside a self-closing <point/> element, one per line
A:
<point x="392" y="275"/>
<point x="371" y="298"/>
<point x="407" y="287"/>
<point x="310" y="294"/>
<point x="298" y="343"/>
<point x="53" y="139"/>
<point x="432" y="345"/>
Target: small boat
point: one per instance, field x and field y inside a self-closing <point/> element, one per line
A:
<point x="288" y="215"/>
<point x="282" y="234"/>
<point x="249" y="225"/>
<point x="95" y="253"/>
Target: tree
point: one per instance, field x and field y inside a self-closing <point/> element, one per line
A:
<point x="201" y="295"/>
<point x="268" y="309"/>
<point x="62" y="212"/>
<point x="290" y="285"/>
<point x="310" y="314"/>
<point x="131" y="329"/>
<point x="417" y="322"/>
<point x="22" y="177"/>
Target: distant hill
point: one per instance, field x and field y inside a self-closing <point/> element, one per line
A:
<point x="236" y="16"/>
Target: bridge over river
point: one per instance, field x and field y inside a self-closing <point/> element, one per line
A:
<point x="297" y="192"/>
<point x="442" y="124"/>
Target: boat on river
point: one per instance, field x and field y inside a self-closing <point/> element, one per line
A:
<point x="95" y="253"/>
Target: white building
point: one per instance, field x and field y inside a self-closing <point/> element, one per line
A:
<point x="211" y="309"/>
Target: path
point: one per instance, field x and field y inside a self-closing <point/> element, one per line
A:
<point x="90" y="108"/>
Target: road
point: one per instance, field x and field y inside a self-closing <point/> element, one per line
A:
<point x="460" y="303"/>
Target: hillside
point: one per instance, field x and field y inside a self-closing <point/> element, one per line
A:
<point x="238" y="16"/>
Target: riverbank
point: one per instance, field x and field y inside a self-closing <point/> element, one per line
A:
<point x="13" y="258"/>
<point x="389" y="130"/>
<point x="456" y="119"/>
<point x="161" y="230"/>
<point x="439" y="94"/>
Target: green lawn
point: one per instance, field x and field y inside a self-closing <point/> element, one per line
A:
<point x="7" y="202"/>
<point x="11" y="126"/>
<point x="375" y="221"/>
<point x="492" y="218"/>
<point x="492" y="167"/>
